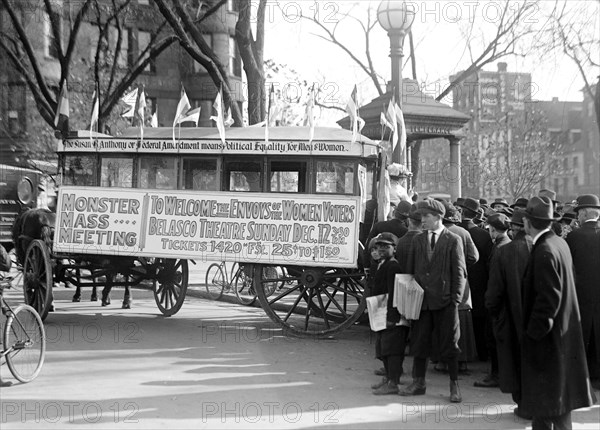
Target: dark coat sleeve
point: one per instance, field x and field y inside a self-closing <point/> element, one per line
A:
<point x="471" y="251"/>
<point x="548" y="288"/>
<point x="459" y="270"/>
<point x="494" y="295"/>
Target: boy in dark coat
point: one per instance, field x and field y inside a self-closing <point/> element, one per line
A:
<point x="391" y="342"/>
<point x="554" y="374"/>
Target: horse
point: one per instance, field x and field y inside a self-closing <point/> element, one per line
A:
<point x="38" y="223"/>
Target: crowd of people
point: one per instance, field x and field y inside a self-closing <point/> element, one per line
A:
<point x="517" y="285"/>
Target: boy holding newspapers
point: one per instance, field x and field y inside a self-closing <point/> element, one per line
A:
<point x="390" y="342"/>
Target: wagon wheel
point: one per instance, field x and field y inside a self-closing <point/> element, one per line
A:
<point x="170" y="284"/>
<point x="313" y="301"/>
<point x="37" y="277"/>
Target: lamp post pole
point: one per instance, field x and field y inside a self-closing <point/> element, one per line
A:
<point x="396" y="54"/>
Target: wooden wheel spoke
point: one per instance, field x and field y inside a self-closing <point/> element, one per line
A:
<point x="325" y="318"/>
<point x="334" y="301"/>
<point x="283" y="294"/>
<point x="307" y="315"/>
<point x="339" y="288"/>
<point x="294" y="306"/>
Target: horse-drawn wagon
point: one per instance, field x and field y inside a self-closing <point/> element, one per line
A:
<point x="134" y="210"/>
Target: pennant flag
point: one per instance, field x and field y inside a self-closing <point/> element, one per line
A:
<point x="309" y="118"/>
<point x="182" y="107"/>
<point x="383" y="190"/>
<point x="218" y="106"/>
<point x="392" y="117"/>
<point x="61" y="119"/>
<point x="191" y="116"/>
<point x="141" y="112"/>
<point x="154" y="119"/>
<point x="228" y="122"/>
<point x="130" y="100"/>
<point x="357" y="122"/>
<point x="268" y="120"/>
<point x="402" y="137"/>
<point x="95" y="110"/>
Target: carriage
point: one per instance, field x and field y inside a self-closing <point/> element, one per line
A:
<point x="135" y="210"/>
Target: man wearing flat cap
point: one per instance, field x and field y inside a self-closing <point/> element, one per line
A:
<point x="478" y="272"/>
<point x="554" y="374"/>
<point x="584" y="244"/>
<point x="437" y="261"/>
<point x="503" y="301"/>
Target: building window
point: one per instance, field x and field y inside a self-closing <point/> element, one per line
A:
<point x="144" y="38"/>
<point x="575" y="181"/>
<point x="124" y="55"/>
<point x="565" y="163"/>
<point x="575" y="137"/>
<point x="51" y="44"/>
<point x="15" y="109"/>
<point x="235" y="61"/>
<point x="199" y="68"/>
<point x="575" y="162"/>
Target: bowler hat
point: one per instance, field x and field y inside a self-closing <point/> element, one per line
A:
<point x="499" y="221"/>
<point x="386" y="238"/>
<point x="500" y="201"/>
<point x="517" y="217"/>
<point x="568" y="217"/>
<point x="470" y="203"/>
<point x="520" y="202"/>
<point x="431" y="206"/>
<point x="540" y="208"/>
<point x="483" y="201"/>
<point x="459" y="201"/>
<point x="587" y="201"/>
<point x="402" y="209"/>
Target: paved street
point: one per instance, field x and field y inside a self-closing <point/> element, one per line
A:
<point x="220" y="365"/>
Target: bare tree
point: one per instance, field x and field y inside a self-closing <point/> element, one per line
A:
<point x="189" y="31"/>
<point x="251" y="50"/>
<point x="574" y="33"/>
<point x="515" y="153"/>
<point x="18" y="44"/>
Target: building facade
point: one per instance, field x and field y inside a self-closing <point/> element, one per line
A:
<point x="21" y="125"/>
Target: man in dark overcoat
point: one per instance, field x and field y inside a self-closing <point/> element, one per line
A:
<point x="584" y="244"/>
<point x="554" y="375"/>
<point x="503" y="301"/>
<point x="438" y="263"/>
<point x="478" y="272"/>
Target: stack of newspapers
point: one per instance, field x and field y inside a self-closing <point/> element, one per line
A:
<point x="408" y="296"/>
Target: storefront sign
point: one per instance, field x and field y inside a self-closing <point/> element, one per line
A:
<point x="224" y="226"/>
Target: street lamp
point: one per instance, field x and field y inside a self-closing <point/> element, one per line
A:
<point x="396" y="18"/>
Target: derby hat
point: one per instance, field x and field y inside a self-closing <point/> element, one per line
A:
<point x="483" y="201"/>
<point x="587" y="201"/>
<point x="459" y="201"/>
<point x="386" y="238"/>
<point x="499" y="221"/>
<point x="431" y="206"/>
<point x="520" y="202"/>
<point x="470" y="203"/>
<point x="499" y="201"/>
<point x="540" y="208"/>
<point x="517" y="217"/>
<point x="568" y="217"/>
<point x="402" y="209"/>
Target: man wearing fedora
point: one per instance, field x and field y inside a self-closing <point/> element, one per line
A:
<point x="396" y="225"/>
<point x="503" y="301"/>
<point x="478" y="272"/>
<point x="554" y="374"/>
<point x="499" y="203"/>
<point x="437" y="261"/>
<point x="584" y="244"/>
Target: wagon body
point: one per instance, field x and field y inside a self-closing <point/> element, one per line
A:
<point x="141" y="208"/>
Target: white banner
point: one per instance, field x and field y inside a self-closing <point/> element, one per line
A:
<point x="293" y="229"/>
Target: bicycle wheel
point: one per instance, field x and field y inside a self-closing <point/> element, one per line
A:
<point x="25" y="338"/>
<point x="242" y="285"/>
<point x="215" y="281"/>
